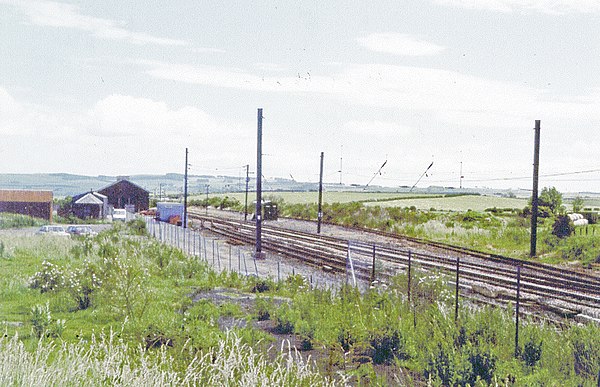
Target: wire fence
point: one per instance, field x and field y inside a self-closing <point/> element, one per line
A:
<point x="222" y="255"/>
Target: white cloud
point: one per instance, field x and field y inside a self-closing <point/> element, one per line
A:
<point x="62" y="15"/>
<point x="544" y="6"/>
<point x="120" y="134"/>
<point x="451" y="96"/>
<point x="239" y="79"/>
<point x="207" y="50"/>
<point x="399" y="44"/>
<point x="376" y="128"/>
<point x="122" y="115"/>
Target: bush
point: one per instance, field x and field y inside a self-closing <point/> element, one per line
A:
<point x="586" y="351"/>
<point x="42" y="322"/>
<point x="483" y="364"/>
<point x="48" y="279"/>
<point x="262" y="309"/>
<point x="562" y="227"/>
<point x="137" y="227"/>
<point x="582" y="248"/>
<point x="284" y="319"/>
<point x="532" y="353"/>
<point x="387" y="345"/>
<point x="441" y="366"/>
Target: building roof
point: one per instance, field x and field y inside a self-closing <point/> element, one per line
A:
<point x="89" y="198"/>
<point x="96" y="194"/>
<point x="124" y="181"/>
<point x="15" y="195"/>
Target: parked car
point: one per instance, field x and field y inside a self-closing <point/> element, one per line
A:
<point x="52" y="230"/>
<point x="119" y="214"/>
<point x="81" y="230"/>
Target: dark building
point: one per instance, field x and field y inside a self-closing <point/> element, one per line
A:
<point x="37" y="204"/>
<point x="90" y="205"/>
<point x="125" y="193"/>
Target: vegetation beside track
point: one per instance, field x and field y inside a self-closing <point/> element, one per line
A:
<point x="494" y="229"/>
<point x="120" y="305"/>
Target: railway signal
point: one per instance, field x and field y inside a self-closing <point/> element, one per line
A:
<point x="424" y="173"/>
<point x="377" y="173"/>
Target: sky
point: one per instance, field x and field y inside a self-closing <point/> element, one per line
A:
<point x="123" y="87"/>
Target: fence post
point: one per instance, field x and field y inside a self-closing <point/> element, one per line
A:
<point x="411" y="302"/>
<point x="456" y="295"/>
<point x="517" y="311"/>
<point x="229" y="258"/>
<point x="347" y="260"/>
<point x="408" y="275"/>
<point x="218" y="257"/>
<point x="352" y="270"/>
<point x="373" y="272"/>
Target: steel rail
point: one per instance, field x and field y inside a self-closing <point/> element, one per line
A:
<point x="540" y="280"/>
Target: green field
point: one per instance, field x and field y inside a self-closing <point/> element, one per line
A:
<point x="313" y="197"/>
<point x="387" y="199"/>
<point x="454" y="203"/>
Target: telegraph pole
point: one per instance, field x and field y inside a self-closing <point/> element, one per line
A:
<point x="341" y="150"/>
<point x="534" y="197"/>
<point x="185" y="190"/>
<point x="246" y="201"/>
<point x="258" y="252"/>
<point x="207" y="199"/>
<point x="320" y="210"/>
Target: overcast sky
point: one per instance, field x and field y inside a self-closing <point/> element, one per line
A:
<point x="122" y="88"/>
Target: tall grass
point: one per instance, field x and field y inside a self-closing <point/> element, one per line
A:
<point x="8" y="220"/>
<point x="108" y="361"/>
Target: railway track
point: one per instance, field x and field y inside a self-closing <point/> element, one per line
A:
<point x="561" y="291"/>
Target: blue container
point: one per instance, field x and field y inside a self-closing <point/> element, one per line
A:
<point x="164" y="211"/>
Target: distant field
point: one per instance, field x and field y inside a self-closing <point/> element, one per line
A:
<point x="313" y="197"/>
<point x="451" y="203"/>
<point x="455" y="203"/>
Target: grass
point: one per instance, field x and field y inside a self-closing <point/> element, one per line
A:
<point x="118" y="305"/>
<point x="140" y="326"/>
<point x="455" y="203"/>
<point x="111" y="361"/>
<point x="313" y="197"/>
<point x="8" y="220"/>
<point x="419" y="342"/>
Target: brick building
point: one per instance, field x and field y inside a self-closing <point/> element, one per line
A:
<point x="37" y="204"/>
<point x="90" y="205"/>
<point x="125" y="193"/>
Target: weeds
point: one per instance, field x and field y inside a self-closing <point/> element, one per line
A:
<point x="107" y="360"/>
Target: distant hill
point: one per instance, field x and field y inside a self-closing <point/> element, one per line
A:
<point x="64" y="184"/>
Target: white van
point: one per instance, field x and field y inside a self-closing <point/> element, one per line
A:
<point x="119" y="214"/>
